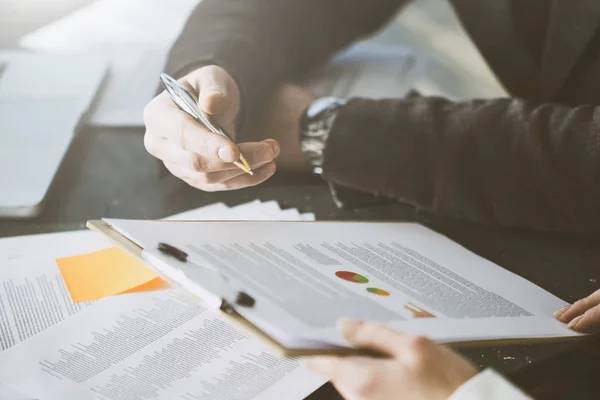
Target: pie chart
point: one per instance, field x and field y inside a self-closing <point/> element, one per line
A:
<point x="351" y="277"/>
<point x="378" y="292"/>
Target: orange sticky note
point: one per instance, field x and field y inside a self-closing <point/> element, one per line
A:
<point x="105" y="273"/>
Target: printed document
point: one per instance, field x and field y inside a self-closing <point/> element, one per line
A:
<point x="33" y="296"/>
<point x="141" y="335"/>
<point x="151" y="345"/>
<point x="398" y="273"/>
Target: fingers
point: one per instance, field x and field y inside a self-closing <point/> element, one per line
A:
<point x="218" y="95"/>
<point x="351" y="373"/>
<point x="589" y="322"/>
<point x="257" y="154"/>
<point x="245" y="180"/>
<point x="568" y="313"/>
<point x="175" y="137"/>
<point x="203" y="178"/>
<point x="418" y="367"/>
<point x="214" y="91"/>
<point x="190" y="135"/>
<point x="410" y="349"/>
<point x="373" y="335"/>
<point x="210" y="183"/>
<point x="193" y="153"/>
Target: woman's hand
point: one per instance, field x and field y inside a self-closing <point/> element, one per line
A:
<point x="582" y="316"/>
<point x="418" y="368"/>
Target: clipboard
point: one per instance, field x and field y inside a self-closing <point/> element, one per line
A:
<point x="228" y="311"/>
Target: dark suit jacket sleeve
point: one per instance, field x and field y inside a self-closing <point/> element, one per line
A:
<point x="506" y="162"/>
<point x="262" y="43"/>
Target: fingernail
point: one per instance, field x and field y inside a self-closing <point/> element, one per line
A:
<point x="213" y="93"/>
<point x="266" y="153"/>
<point x="348" y="324"/>
<point x="227" y="154"/>
<point x="273" y="145"/>
<point x="209" y="101"/>
<point x="574" y="322"/>
<point x="558" y="313"/>
<point x="276" y="149"/>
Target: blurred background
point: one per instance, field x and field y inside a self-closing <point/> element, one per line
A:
<point x="95" y="63"/>
<point x="19" y="17"/>
<point x="427" y="25"/>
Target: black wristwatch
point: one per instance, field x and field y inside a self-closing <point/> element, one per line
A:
<point x="315" y="125"/>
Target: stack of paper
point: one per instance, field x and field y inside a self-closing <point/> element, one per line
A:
<point x="107" y="272"/>
<point x="253" y="211"/>
<point x="213" y="359"/>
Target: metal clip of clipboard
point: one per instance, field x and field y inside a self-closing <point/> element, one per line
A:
<point x="223" y="297"/>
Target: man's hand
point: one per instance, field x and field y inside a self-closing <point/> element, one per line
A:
<point x="582" y="316"/>
<point x="192" y="153"/>
<point x="418" y="368"/>
<point x="204" y="159"/>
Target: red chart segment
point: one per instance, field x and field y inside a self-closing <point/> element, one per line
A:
<point x="351" y="277"/>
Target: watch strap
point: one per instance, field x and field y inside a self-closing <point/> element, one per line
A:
<point x="315" y="127"/>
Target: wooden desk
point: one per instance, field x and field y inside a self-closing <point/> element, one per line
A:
<point x="107" y="173"/>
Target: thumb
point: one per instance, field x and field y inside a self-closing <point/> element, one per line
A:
<point x="371" y="335"/>
<point x="214" y="95"/>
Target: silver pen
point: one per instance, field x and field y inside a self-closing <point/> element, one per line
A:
<point x="187" y="102"/>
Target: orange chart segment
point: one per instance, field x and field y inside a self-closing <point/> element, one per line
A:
<point x="378" y="292"/>
<point x="417" y="311"/>
<point x="351" y="277"/>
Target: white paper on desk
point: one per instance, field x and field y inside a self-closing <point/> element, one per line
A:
<point x="251" y="211"/>
<point x="206" y="212"/>
<point x="135" y="36"/>
<point x="292" y="269"/>
<point x="308" y="216"/>
<point x="186" y="353"/>
<point x="277" y="379"/>
<point x="8" y="393"/>
<point x="33" y="296"/>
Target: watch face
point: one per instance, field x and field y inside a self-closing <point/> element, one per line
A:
<point x="317" y="112"/>
<point x="322" y="104"/>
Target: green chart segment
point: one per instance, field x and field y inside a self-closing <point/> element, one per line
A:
<point x="378" y="292"/>
<point x="351" y="277"/>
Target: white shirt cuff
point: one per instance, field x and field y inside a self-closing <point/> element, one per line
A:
<point x="488" y="385"/>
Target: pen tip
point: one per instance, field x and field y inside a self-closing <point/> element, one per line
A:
<point x="244" y="166"/>
<point x="247" y="167"/>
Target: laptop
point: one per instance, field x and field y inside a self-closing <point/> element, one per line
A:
<point x="43" y="100"/>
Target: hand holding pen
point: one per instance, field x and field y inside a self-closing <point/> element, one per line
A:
<point x="197" y="145"/>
